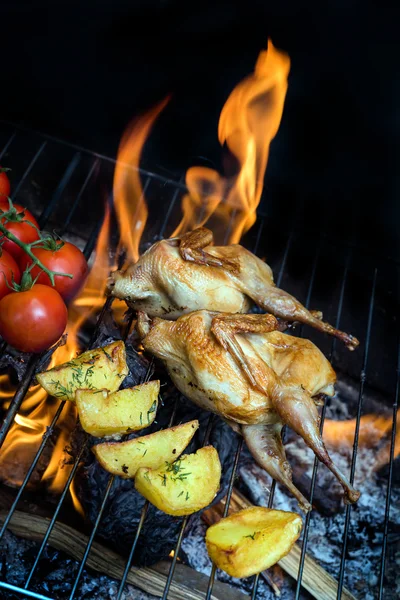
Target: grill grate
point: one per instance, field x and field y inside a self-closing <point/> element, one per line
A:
<point x="92" y="168"/>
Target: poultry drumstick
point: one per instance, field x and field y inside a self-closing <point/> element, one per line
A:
<point x="180" y="275"/>
<point x="245" y="370"/>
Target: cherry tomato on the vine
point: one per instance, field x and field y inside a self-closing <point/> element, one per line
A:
<point x="9" y="271"/>
<point x="4" y="184"/>
<point x="62" y="257"/>
<point x="33" y="320"/>
<point x="21" y="229"/>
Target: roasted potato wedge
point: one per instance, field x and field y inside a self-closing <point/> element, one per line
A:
<point x="103" y="414"/>
<point x="184" y="486"/>
<point x="152" y="451"/>
<point x="101" y="368"/>
<point x="252" y="540"/>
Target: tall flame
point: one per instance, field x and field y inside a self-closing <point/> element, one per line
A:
<point x="129" y="201"/>
<point x="248" y="123"/>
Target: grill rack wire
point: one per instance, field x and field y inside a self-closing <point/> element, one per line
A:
<point x="44" y="142"/>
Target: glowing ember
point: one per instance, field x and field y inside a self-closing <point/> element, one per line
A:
<point x="374" y="432"/>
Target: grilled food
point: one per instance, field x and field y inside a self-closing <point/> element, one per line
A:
<point x="252" y="540"/>
<point x="103" y="414"/>
<point x="180" y="275"/>
<point x="184" y="486"/>
<point x="255" y="377"/>
<point x="101" y="368"/>
<point x="152" y="451"/>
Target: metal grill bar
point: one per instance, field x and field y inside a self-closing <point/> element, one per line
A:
<point x="54" y="518"/>
<point x="8" y="144"/>
<point x="60" y="189"/>
<point x="46" y="437"/>
<point x="14" y="588"/>
<point x="390" y="477"/>
<point x="316" y="461"/>
<point x="140" y="525"/>
<point x="226" y="510"/>
<point x="28" y="170"/>
<point x="14" y="407"/>
<point x="75" y="205"/>
<point x="18" y="398"/>
<point x="357" y="431"/>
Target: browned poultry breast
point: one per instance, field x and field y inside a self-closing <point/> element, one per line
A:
<point x="254" y="376"/>
<point x="177" y="276"/>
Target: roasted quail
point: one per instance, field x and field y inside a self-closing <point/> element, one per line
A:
<point x="251" y="374"/>
<point x="180" y="275"/>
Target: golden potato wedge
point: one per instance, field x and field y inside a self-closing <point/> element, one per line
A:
<point x="252" y="540"/>
<point x="152" y="451"/>
<point x="184" y="486"/>
<point x="103" y="414"/>
<point x="101" y="368"/>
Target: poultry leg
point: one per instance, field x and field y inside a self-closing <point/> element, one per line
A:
<point x="285" y="306"/>
<point x="297" y="409"/>
<point x="261" y="291"/>
<point x="265" y="444"/>
<point x="191" y="248"/>
<point x="224" y="327"/>
<point x="294" y="405"/>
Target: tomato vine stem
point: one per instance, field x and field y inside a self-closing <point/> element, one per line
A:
<point x="27" y="248"/>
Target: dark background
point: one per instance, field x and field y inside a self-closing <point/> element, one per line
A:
<point x="82" y="70"/>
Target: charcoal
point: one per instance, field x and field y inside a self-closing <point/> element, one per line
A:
<point x="123" y="509"/>
<point x="18" y="361"/>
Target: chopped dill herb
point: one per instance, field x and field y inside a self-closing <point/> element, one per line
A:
<point x="145" y="452"/>
<point x="187" y="496"/>
<point x="252" y="536"/>
<point x="139" y="442"/>
<point x="141" y="418"/>
<point x="151" y="410"/>
<point x="164" y="479"/>
<point x="179" y="495"/>
<point x="146" y="476"/>
<point x="106" y="353"/>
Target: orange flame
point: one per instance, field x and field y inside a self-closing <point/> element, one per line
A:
<point x="248" y="123"/>
<point x="129" y="201"/>
<point x="374" y="433"/>
<point x="38" y="410"/>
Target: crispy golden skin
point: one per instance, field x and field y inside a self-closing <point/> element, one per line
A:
<point x="178" y="276"/>
<point x="257" y="381"/>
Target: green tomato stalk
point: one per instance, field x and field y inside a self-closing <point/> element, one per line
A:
<point x="11" y="215"/>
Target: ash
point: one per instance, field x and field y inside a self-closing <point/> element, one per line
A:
<point x="325" y="537"/>
<point x="55" y="574"/>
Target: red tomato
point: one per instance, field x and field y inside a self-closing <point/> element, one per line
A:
<point x="8" y="270"/>
<point x="33" y="320"/>
<point x="66" y="259"/>
<point x="4" y="184"/>
<point x="23" y="231"/>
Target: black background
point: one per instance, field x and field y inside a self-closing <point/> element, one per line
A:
<point x="82" y="70"/>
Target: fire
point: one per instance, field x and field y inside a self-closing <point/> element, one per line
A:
<point x="129" y="201"/>
<point x="248" y="123"/>
<point x="374" y="433"/>
<point x="38" y="410"/>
